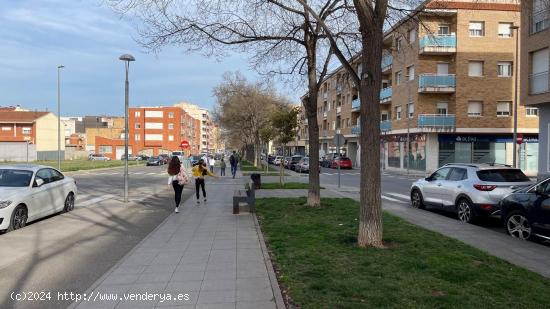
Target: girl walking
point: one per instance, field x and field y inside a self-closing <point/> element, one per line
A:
<point x="200" y="170"/>
<point x="222" y="168"/>
<point x="177" y="178"/>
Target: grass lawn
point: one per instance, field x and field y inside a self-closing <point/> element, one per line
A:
<point x="318" y="263"/>
<point x="249" y="167"/>
<point x="76" y="165"/>
<point x="288" y="185"/>
<point x="263" y="173"/>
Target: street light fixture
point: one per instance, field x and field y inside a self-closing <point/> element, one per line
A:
<point x="127" y="58"/>
<point x="59" y="67"/>
<point x="516" y="65"/>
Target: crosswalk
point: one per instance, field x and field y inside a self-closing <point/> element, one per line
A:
<point x="110" y="173"/>
<point x="396" y="197"/>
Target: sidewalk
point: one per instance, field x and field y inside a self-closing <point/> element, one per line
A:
<point x="205" y="255"/>
<point x="529" y="255"/>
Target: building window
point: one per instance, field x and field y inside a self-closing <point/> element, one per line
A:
<point x="410" y="108"/>
<point x="170" y="126"/>
<point x="26" y="131"/>
<point x="504" y="30"/>
<point x="503" y="109"/>
<point x="398" y="112"/>
<point x="105" y="149"/>
<point x="384" y="116"/>
<point x="410" y="72"/>
<point x="475" y="68"/>
<point x="138" y="126"/>
<point x="154" y="125"/>
<point x="137" y="137"/>
<point x="538" y="79"/>
<point x="171" y="138"/>
<point x="334" y="125"/>
<point x="477" y="28"/>
<point x="444" y="29"/>
<point x="137" y="114"/>
<point x="171" y="115"/>
<point x="504" y="69"/>
<point x="398" y="78"/>
<point x="475" y="108"/>
<point x="531" y="112"/>
<point x="442" y="108"/>
<point x="539" y="16"/>
<point x="6" y="128"/>
<point x="412" y="35"/>
<point x="154" y="114"/>
<point x="398" y="44"/>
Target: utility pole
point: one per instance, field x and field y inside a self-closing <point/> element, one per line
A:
<point x="127" y="59"/>
<point x="59" y="67"/>
<point x="515" y="110"/>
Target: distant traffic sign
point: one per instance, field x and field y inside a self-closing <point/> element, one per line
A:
<point x="338" y="139"/>
<point x="184" y="144"/>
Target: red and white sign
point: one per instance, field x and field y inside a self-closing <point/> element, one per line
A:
<point x="184" y="144"/>
<point x="519" y="139"/>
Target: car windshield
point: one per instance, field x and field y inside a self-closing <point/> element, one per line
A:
<point x="15" y="178"/>
<point x="153" y="158"/>
<point x="177" y="153"/>
<point x="197" y="158"/>
<point x="296" y="159"/>
<point x="502" y="175"/>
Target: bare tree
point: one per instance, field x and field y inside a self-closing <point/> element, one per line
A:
<point x="280" y="36"/>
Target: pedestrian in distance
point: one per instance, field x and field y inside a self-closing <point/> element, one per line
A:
<point x="233" y="161"/>
<point x="200" y="170"/>
<point x="222" y="167"/>
<point x="212" y="162"/>
<point x="178" y="178"/>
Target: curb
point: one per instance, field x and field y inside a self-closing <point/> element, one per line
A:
<point x="99" y="169"/>
<point x="279" y="302"/>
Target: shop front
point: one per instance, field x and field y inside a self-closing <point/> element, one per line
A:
<point x="397" y="155"/>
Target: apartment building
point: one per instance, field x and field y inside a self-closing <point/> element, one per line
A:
<point x="29" y="133"/>
<point x="207" y="137"/>
<point x="152" y="131"/>
<point x="448" y="89"/>
<point x="535" y="64"/>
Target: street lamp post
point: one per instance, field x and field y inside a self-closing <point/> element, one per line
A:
<point x="127" y="58"/>
<point x="59" y="67"/>
<point x="516" y="65"/>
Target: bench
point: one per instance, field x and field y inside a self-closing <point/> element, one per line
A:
<point x="247" y="196"/>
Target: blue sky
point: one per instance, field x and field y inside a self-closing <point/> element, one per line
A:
<point x="38" y="35"/>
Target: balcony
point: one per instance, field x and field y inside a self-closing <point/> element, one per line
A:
<point x="338" y="109"/>
<point x="355" y="104"/>
<point x="387" y="61"/>
<point x="437" y="83"/>
<point x="538" y="83"/>
<point x="538" y="21"/>
<point x="385" y="95"/>
<point x="385" y="126"/>
<point x="438" y="45"/>
<point x="437" y="121"/>
<point x="356" y="130"/>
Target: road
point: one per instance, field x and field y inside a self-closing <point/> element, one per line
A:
<point x="69" y="252"/>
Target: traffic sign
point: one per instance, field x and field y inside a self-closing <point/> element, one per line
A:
<point x="338" y="139"/>
<point x="519" y="139"/>
<point x="184" y="144"/>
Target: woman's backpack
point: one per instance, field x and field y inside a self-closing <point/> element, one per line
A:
<point x="182" y="177"/>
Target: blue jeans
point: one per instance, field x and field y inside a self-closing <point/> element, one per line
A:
<point x="233" y="170"/>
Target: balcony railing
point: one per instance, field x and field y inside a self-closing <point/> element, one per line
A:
<point x="436" y="121"/>
<point x="385" y="95"/>
<point x="356" y="130"/>
<point x="539" y="21"/>
<point x="387" y="61"/>
<point x="355" y="104"/>
<point x="385" y="125"/>
<point x="437" y="83"/>
<point x="438" y="44"/>
<point x="538" y="83"/>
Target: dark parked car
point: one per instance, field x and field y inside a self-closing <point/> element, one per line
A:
<point x="526" y="212"/>
<point x="326" y="160"/>
<point x="302" y="166"/>
<point x="293" y="161"/>
<point x="130" y="157"/>
<point x="165" y="158"/>
<point x="270" y="159"/>
<point x="155" y="161"/>
<point x="343" y="162"/>
<point x="142" y="157"/>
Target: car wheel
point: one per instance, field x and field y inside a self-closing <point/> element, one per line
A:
<point x="517" y="225"/>
<point x="416" y="199"/>
<point x="69" y="202"/>
<point x="465" y="211"/>
<point x="19" y="218"/>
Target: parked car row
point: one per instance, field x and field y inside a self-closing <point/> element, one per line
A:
<point x="474" y="191"/>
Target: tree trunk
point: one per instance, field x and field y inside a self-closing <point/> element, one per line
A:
<point x="314" y="191"/>
<point x="370" y="219"/>
<point x="281" y="168"/>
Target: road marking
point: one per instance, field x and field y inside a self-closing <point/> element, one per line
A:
<point x="391" y="199"/>
<point x="403" y="196"/>
<point x="138" y="173"/>
<point x="95" y="200"/>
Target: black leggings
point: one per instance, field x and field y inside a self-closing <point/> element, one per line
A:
<point x="199" y="182"/>
<point x="177" y="190"/>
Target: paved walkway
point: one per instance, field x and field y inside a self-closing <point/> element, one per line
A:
<point x="205" y="255"/>
<point x="529" y="255"/>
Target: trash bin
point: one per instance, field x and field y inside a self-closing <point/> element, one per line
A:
<point x="257" y="180"/>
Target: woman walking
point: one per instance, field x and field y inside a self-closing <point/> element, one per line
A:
<point x="177" y="178"/>
<point x="222" y="167"/>
<point x="199" y="171"/>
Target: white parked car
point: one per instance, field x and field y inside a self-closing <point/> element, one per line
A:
<point x="30" y="192"/>
<point x="278" y="160"/>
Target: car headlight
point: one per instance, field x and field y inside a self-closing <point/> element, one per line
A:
<point x="4" y="204"/>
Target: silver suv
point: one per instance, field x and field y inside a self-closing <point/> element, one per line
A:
<point x="471" y="190"/>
